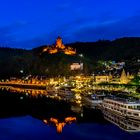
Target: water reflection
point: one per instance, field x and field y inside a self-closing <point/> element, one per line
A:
<point x="66" y="95"/>
<point x="123" y="123"/>
<point x="30" y="92"/>
<point x="59" y="124"/>
<point x="55" y="112"/>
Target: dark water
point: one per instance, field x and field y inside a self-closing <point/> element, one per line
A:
<point x="27" y="128"/>
<point x="23" y="120"/>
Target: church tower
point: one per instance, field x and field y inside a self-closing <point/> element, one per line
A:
<point x="123" y="78"/>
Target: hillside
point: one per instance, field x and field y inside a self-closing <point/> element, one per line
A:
<point x="34" y="62"/>
<point x="123" y="48"/>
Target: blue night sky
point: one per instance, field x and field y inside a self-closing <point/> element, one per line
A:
<point x="29" y="23"/>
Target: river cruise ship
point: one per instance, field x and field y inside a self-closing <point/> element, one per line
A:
<point x="128" y="109"/>
<point x="128" y="125"/>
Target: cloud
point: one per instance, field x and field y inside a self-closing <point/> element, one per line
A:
<point x="109" y="30"/>
<point x="83" y="29"/>
<point x="79" y="28"/>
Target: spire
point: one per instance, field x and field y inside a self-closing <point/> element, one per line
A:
<point x="123" y="78"/>
<point x="128" y="75"/>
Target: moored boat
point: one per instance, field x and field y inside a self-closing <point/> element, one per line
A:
<point x="128" y="125"/>
<point x="123" y="107"/>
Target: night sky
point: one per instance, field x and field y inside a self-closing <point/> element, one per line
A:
<point x="29" y="23"/>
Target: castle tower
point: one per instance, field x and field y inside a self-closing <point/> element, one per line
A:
<point x="59" y="47"/>
<point x="59" y="42"/>
<point x="123" y="78"/>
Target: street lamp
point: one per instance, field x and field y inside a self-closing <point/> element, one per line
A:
<point x="81" y="55"/>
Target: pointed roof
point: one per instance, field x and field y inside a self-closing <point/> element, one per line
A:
<point x="123" y="77"/>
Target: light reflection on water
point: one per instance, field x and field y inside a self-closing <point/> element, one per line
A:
<point x="27" y="128"/>
<point x="42" y="120"/>
<point x="59" y="124"/>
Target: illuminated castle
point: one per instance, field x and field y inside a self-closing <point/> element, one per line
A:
<point x="59" y="47"/>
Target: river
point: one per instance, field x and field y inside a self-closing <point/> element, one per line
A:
<point x="41" y="118"/>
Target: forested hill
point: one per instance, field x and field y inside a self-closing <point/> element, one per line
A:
<point x="12" y="61"/>
<point x="123" y="48"/>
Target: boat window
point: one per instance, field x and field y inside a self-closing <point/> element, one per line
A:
<point x="136" y="114"/>
<point x="125" y="111"/>
<point x="130" y="107"/>
<point x="136" y="125"/>
<point x="130" y="123"/>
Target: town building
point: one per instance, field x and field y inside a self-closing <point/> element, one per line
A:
<point x="76" y="66"/>
<point x="102" y="79"/>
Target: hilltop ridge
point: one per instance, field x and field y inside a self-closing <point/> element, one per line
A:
<point x="40" y="62"/>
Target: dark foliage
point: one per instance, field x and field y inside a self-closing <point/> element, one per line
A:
<point x="34" y="62"/>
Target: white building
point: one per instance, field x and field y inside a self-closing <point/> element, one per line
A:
<point x="76" y="66"/>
